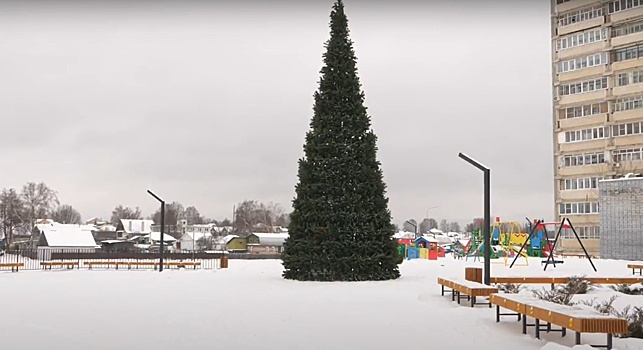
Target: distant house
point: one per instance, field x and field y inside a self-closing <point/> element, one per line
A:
<point x="266" y="243"/>
<point x="234" y="243"/>
<point x="59" y="238"/>
<point x="40" y="228"/>
<point x="128" y="228"/>
<point x="190" y="240"/>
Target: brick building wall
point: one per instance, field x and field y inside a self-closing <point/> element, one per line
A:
<point x="621" y="218"/>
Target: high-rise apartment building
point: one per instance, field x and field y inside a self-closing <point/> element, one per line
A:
<point x="597" y="59"/>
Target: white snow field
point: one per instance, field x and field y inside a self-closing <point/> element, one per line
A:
<point x="249" y="306"/>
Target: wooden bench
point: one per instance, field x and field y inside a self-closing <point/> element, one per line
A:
<point x="566" y="317"/>
<point x="470" y="289"/>
<point x="50" y="264"/>
<point x="562" y="280"/>
<point x="107" y="264"/>
<point x="14" y="266"/>
<point x="635" y="267"/>
<point x="183" y="264"/>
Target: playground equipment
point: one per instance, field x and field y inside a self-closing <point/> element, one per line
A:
<point x="541" y="226"/>
<point x="421" y="248"/>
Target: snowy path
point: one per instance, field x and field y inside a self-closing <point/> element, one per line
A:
<point x="249" y="306"/>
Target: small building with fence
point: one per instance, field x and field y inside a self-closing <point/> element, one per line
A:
<point x="266" y="243"/>
<point x="58" y="238"/>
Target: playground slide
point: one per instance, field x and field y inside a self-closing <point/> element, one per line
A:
<point x="517" y="249"/>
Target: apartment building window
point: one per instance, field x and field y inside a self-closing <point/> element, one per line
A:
<point x="578" y="208"/>
<point x="583" y="38"/>
<point x="628" y="28"/>
<point x="627" y="154"/>
<point x="584" y="232"/>
<point x="622" y="5"/>
<point x="627" y="129"/>
<point x="583" y="183"/>
<point x="583" y="111"/>
<point x="586" y="134"/>
<point x="582" y="159"/>
<point x="627" y="53"/>
<point x="628" y="78"/>
<point x="628" y="103"/>
<point x="583" y="86"/>
<point x="580" y="15"/>
<point x="577" y="63"/>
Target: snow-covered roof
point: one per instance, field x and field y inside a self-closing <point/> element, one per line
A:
<point x="58" y="235"/>
<point x="436" y="231"/>
<point x="195" y="236"/>
<point x="156" y="236"/>
<point x="271" y="239"/>
<point x="137" y="226"/>
<point x="228" y="238"/>
<point x="403" y="234"/>
<point x="428" y="239"/>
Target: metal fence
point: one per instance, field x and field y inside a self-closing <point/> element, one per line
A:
<point x="33" y="259"/>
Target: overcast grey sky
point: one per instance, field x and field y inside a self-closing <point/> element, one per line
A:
<point x="209" y="104"/>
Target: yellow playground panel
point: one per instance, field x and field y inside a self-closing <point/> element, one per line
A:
<point x="509" y="233"/>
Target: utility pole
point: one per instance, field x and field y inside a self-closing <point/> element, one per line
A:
<point x="162" y="248"/>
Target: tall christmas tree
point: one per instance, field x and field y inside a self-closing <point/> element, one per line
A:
<point x="341" y="227"/>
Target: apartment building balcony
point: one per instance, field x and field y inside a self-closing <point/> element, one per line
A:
<point x="576" y="27"/>
<point x="619" y="91"/>
<point x="582" y="73"/>
<point x="574" y="4"/>
<point x="583" y="146"/>
<point x="625" y="39"/>
<point x="630" y="140"/>
<point x="625" y="15"/>
<point x="631" y="114"/>
<point x="585" y="195"/>
<point x="581" y="50"/>
<point x="578" y="98"/>
<point x="576" y="123"/>
<point x="628" y="64"/>
<point x="593" y="169"/>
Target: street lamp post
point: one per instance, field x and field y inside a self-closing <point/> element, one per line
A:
<point x="162" y="228"/>
<point x="415" y="226"/>
<point x="486" y="234"/>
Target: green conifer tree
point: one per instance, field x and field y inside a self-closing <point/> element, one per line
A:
<point x="340" y="227"/>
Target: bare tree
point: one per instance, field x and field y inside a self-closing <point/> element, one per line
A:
<point x="204" y="243"/>
<point x="246" y="216"/>
<point x="428" y="224"/>
<point x="474" y="225"/>
<point x="173" y="213"/>
<point x="224" y="222"/>
<point x="283" y="220"/>
<point x="66" y="214"/>
<point x="39" y="201"/>
<point x="454" y="226"/>
<point x="193" y="216"/>
<point x="408" y="227"/>
<point x="444" y="225"/>
<point x="12" y="212"/>
<point x="269" y="214"/>
<point x="125" y="213"/>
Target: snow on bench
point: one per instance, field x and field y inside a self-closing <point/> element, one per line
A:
<point x="574" y="318"/>
<point x="470" y="289"/>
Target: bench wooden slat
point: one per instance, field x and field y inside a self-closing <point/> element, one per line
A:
<point x="563" y="280"/>
<point x="579" y="320"/>
<point x="12" y="264"/>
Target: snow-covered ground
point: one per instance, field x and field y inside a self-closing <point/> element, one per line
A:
<point x="249" y="306"/>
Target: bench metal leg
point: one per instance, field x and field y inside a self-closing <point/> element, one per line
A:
<point x="537" y="329"/>
<point x="524" y="324"/>
<point x="609" y="341"/>
<point x="442" y="290"/>
<point x="577" y="340"/>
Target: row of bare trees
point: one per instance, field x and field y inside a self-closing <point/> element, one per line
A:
<point x="428" y="224"/>
<point x="21" y="208"/>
